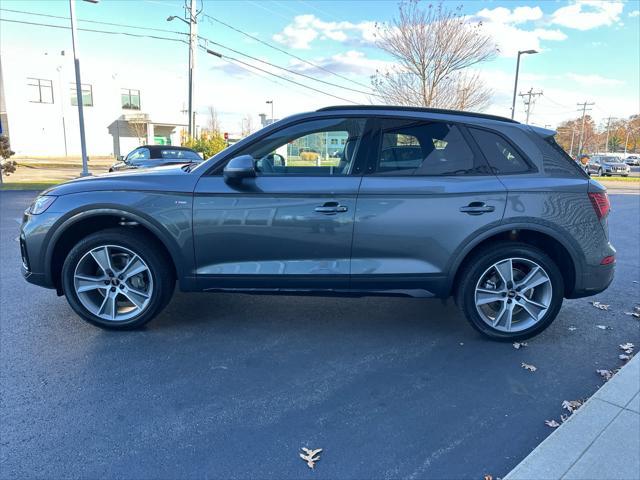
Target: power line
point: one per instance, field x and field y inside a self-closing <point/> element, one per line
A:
<point x="128" y="34"/>
<point x="286" y="69"/>
<point x="93" y="21"/>
<point x="531" y="100"/>
<point x="281" y="50"/>
<point x="227" y="57"/>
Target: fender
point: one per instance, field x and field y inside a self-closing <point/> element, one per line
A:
<point x="61" y="226"/>
<point x="533" y="224"/>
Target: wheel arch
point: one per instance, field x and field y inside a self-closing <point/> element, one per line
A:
<point x="560" y="246"/>
<point x="80" y="224"/>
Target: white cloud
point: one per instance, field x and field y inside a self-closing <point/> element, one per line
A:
<point x="592" y="80"/>
<point x="502" y="24"/>
<point x="588" y="14"/>
<point x="306" y="28"/>
<point x="634" y="13"/>
<point x="350" y="62"/>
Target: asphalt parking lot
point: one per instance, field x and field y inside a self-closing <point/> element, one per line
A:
<point x="232" y="386"/>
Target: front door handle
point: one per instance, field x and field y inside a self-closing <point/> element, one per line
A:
<point x="331" y="208"/>
<point x="477" y="208"/>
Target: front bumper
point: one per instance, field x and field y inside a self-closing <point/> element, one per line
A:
<point x="34" y="239"/>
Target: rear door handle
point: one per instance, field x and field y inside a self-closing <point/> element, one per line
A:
<point x="477" y="208"/>
<point x="331" y="208"/>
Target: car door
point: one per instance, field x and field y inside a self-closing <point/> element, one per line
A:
<point x="426" y="192"/>
<point x="291" y="226"/>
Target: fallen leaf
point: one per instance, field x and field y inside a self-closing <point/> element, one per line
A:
<point x="531" y="368"/>
<point x="564" y="417"/>
<point x="488" y="477"/>
<point x="635" y="281"/>
<point x="624" y="357"/>
<point x="571" y="329"/>
<point x="311" y="457"/>
<point x="633" y="314"/>
<point x="518" y="345"/>
<point x="604" y="327"/>
<point x="606" y="374"/>
<point x="552" y="423"/>
<point x="600" y="306"/>
<point x="627" y="348"/>
<point x="571" y="405"/>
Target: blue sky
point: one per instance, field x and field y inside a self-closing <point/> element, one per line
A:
<point x="589" y="50"/>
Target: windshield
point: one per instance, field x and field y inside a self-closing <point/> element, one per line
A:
<point x="611" y="159"/>
<point x="186" y="155"/>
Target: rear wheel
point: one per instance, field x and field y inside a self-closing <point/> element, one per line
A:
<point x="117" y="280"/>
<point x="511" y="291"/>
<point x="600" y="172"/>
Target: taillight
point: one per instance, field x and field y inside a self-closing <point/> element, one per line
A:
<point x="600" y="202"/>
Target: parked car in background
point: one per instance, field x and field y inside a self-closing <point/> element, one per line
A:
<point x="423" y="203"/>
<point x="148" y="156"/>
<point x="605" y="166"/>
<point x="633" y="160"/>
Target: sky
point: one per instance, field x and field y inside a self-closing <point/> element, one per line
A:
<point x="588" y="50"/>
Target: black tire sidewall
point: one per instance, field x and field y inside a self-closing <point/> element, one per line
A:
<point x="482" y="261"/>
<point x="141" y="245"/>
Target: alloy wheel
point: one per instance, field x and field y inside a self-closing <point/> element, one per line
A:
<point x="513" y="294"/>
<point x="113" y="283"/>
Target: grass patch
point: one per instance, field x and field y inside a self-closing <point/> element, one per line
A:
<point x="617" y="179"/>
<point x="27" y="185"/>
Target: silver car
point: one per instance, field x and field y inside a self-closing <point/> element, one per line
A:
<point x="606" y="166"/>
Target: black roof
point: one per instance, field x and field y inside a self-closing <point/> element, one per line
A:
<point x="165" y="147"/>
<point x="417" y="109"/>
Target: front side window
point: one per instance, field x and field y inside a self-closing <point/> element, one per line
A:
<point x="40" y="90"/>
<point x="410" y="147"/>
<point x="138" y="154"/>
<point x="308" y="148"/>
<point x="87" y="95"/>
<point x="501" y="155"/>
<point x="130" y="99"/>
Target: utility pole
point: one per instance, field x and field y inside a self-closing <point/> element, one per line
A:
<point x="76" y="62"/>
<point x="584" y="105"/>
<point x="270" y="102"/>
<point x="531" y="99"/>
<point x="606" y="145"/>
<point x="573" y="134"/>
<point x="193" y="47"/>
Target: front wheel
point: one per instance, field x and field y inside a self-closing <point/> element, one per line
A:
<point x="510" y="291"/>
<point x="117" y="279"/>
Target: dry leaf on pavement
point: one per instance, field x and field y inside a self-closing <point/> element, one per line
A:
<point x="564" y="417"/>
<point x="571" y="329"/>
<point x="571" y="405"/>
<point x="606" y="374"/>
<point x="624" y="357"/>
<point x="604" y="327"/>
<point x="627" y="348"/>
<point x="633" y="314"/>
<point x="311" y="456"/>
<point x="518" y="345"/>
<point x="488" y="477"/>
<point x="531" y="368"/>
<point x="552" y="423"/>
<point x="600" y="306"/>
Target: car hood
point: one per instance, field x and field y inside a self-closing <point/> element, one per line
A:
<point x="167" y="178"/>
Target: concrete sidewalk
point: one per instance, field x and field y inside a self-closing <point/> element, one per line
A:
<point x="599" y="441"/>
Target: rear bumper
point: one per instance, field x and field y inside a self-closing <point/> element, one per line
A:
<point x="594" y="279"/>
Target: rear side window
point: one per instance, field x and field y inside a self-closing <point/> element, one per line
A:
<point x="409" y="147"/>
<point x="501" y="155"/>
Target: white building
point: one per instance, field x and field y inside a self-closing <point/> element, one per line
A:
<point x="123" y="106"/>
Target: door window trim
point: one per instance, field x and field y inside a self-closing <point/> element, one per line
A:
<point x="360" y="157"/>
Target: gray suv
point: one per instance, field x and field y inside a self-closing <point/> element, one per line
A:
<point x="417" y="202"/>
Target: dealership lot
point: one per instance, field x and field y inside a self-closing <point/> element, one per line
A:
<point x="233" y="386"/>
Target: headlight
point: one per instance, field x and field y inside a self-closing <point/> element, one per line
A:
<point x="41" y="204"/>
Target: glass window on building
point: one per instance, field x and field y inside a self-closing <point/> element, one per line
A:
<point x="39" y="90"/>
<point x="130" y="99"/>
<point x="87" y="95"/>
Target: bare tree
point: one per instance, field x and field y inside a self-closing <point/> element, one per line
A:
<point x="433" y="47"/>
<point x="213" y="124"/>
<point x="139" y="128"/>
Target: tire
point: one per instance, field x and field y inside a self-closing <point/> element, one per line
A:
<point x="141" y="292"/>
<point x="479" y="271"/>
<point x="600" y="172"/>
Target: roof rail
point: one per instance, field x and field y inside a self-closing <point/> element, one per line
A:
<point x="417" y="109"/>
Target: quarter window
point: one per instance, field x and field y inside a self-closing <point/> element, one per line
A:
<point x="409" y="147"/>
<point x="501" y="155"/>
<point x="87" y="95"/>
<point x="130" y="99"/>
<point x="40" y="91"/>
<point x="318" y="147"/>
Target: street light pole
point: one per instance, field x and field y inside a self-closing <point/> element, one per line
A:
<point x="193" y="39"/>
<point x="271" y="102"/>
<point x="76" y="61"/>
<point x="515" y="86"/>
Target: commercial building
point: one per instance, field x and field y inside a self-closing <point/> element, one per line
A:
<point x="124" y="106"/>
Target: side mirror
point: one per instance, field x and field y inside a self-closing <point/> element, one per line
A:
<point x="239" y="168"/>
